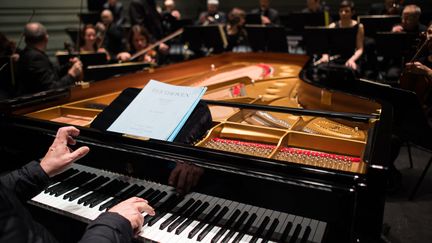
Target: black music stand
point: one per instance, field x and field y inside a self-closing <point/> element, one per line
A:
<point x="267" y="38"/>
<point x="101" y="72"/>
<point x="205" y="39"/>
<point x="395" y="45"/>
<point x="296" y="22"/>
<point x="87" y="59"/>
<point x="378" y="23"/>
<point x="332" y="41"/>
<point x="253" y="18"/>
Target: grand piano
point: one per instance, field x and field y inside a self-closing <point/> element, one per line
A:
<point x="287" y="159"/>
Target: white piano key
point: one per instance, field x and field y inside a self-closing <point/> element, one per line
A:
<point x="313" y="224"/>
<point x="319" y="234"/>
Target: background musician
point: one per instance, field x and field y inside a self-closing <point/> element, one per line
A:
<point x="36" y="72"/>
<point x="117" y="225"/>
<point x="313" y="6"/>
<point x="236" y="33"/>
<point x="139" y="39"/>
<point x="346" y="12"/>
<point x="269" y="16"/>
<point x="90" y="43"/>
<point x="116" y="9"/>
<point x="212" y="15"/>
<point x="111" y="35"/>
<point x="422" y="67"/>
<point x="410" y="20"/>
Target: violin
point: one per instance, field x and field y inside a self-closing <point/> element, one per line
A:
<point x="420" y="84"/>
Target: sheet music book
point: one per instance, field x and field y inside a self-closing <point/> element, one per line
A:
<point x="159" y="111"/>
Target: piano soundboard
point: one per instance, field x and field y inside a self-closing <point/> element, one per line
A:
<point x="83" y="193"/>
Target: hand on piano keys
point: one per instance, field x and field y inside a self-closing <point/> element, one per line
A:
<point x="84" y="193"/>
<point x="132" y="209"/>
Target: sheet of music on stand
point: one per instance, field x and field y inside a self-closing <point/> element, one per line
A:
<point x="159" y="111"/>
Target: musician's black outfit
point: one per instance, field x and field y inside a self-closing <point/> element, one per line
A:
<point x="270" y="13"/>
<point x="18" y="226"/>
<point x="144" y="13"/>
<point x="36" y="73"/>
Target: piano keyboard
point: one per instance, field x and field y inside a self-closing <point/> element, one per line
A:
<point x="84" y="192"/>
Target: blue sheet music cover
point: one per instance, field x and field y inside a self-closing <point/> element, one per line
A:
<point x="159" y="111"/>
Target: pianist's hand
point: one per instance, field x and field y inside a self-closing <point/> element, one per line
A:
<point x="132" y="210"/>
<point x="185" y="176"/>
<point x="59" y="155"/>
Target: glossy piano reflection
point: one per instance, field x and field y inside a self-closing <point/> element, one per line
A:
<point x="195" y="217"/>
<point x="318" y="174"/>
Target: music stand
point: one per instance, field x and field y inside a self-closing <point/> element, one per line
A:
<point x="320" y="40"/>
<point x="72" y="33"/>
<point x="296" y="22"/>
<point x="378" y="23"/>
<point x="267" y="38"/>
<point x="87" y="59"/>
<point x="101" y="72"/>
<point x="211" y="37"/>
<point x="252" y="18"/>
<point x="395" y="45"/>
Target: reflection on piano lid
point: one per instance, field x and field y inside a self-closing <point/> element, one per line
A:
<point x="84" y="193"/>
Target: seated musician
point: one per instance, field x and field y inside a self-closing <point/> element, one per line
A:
<point x="346" y="12"/>
<point x="410" y="20"/>
<point x="387" y="7"/>
<point x="90" y="42"/>
<point x="212" y="15"/>
<point x="313" y="6"/>
<point x="36" y="73"/>
<point x="116" y="8"/>
<point x="409" y="24"/>
<point x="236" y="34"/>
<point x="111" y="33"/>
<point x="119" y="224"/>
<point x="7" y="53"/>
<point x="423" y="65"/>
<point x="269" y="16"/>
<point x="139" y="39"/>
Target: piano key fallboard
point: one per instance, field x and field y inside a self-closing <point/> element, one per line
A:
<point x="84" y="193"/>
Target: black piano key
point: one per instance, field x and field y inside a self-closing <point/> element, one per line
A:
<point x="92" y="185"/>
<point x="164" y="208"/>
<point x="285" y="234"/>
<point x="271" y="230"/>
<point x="51" y="190"/>
<point x="79" y="180"/>
<point x="201" y="224"/>
<point x="102" y="192"/>
<point x="224" y="227"/>
<point x="153" y="202"/>
<point x="296" y="233"/>
<point x="108" y="192"/>
<point x="157" y="198"/>
<point x="212" y="223"/>
<point x="184" y="216"/>
<point x="306" y="234"/>
<point x="147" y="193"/>
<point x="133" y="190"/>
<point x="195" y="215"/>
<point x="245" y="228"/>
<point x="64" y="175"/>
<point x="235" y="228"/>
<point x="175" y="214"/>
<point x="260" y="231"/>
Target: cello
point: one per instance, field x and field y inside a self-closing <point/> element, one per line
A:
<point x="414" y="81"/>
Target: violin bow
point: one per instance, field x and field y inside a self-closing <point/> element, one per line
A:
<point x="167" y="38"/>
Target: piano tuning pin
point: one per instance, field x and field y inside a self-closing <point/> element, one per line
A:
<point x="212" y="67"/>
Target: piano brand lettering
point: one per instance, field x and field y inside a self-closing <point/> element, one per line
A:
<point x="171" y="93"/>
